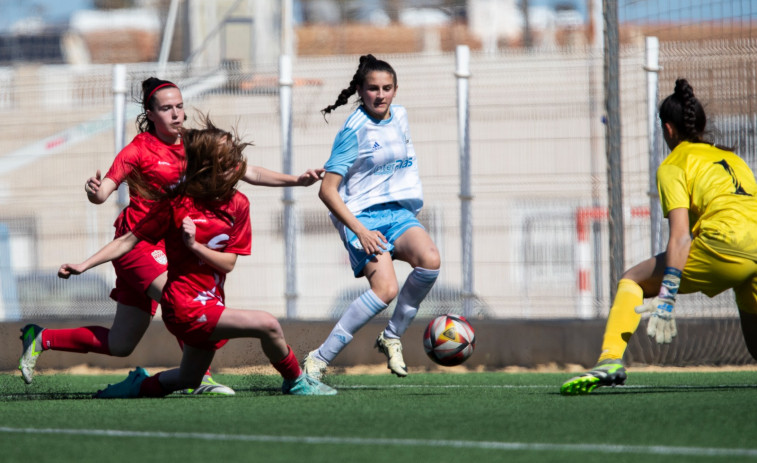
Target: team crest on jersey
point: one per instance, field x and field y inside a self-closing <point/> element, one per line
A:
<point x="160" y="257"/>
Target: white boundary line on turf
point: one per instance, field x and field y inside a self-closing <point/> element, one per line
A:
<point x="485" y="445"/>
<point x="535" y="386"/>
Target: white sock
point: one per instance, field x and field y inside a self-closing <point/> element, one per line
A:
<point x="415" y="289"/>
<point x="360" y="311"/>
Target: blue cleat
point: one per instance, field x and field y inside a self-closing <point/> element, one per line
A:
<point x="126" y="389"/>
<point x="305" y="385"/>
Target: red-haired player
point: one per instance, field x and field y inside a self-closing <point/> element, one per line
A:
<point x="205" y="224"/>
<point x="154" y="160"/>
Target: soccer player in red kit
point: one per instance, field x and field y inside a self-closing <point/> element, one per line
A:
<point x="153" y="160"/>
<point x="205" y="224"/>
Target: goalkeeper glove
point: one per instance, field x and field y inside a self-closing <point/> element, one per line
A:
<point x="662" y="325"/>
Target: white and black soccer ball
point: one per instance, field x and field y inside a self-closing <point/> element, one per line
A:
<point x="449" y="340"/>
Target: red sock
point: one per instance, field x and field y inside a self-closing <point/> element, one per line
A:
<point x="288" y="366"/>
<point x="151" y="387"/>
<point x="181" y="344"/>
<point x="83" y="339"/>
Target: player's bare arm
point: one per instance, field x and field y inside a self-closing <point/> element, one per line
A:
<point x="113" y="250"/>
<point x="98" y="189"/>
<point x="221" y="261"/>
<point x="256" y="175"/>
<point x="679" y="242"/>
<point x="373" y="241"/>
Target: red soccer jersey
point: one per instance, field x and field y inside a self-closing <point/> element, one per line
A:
<point x="159" y="166"/>
<point x="192" y="284"/>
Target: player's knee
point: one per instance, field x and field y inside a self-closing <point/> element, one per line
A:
<point x="431" y="260"/>
<point x="121" y="350"/>
<point x="270" y="327"/>
<point x="385" y="290"/>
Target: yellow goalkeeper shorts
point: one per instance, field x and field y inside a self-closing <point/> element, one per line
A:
<point x="712" y="272"/>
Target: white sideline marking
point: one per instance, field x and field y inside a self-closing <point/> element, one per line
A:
<point x="538" y="386"/>
<point x="486" y="445"/>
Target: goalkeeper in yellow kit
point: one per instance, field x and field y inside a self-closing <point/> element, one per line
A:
<point x="707" y="194"/>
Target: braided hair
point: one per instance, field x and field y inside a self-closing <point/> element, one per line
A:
<point x="368" y="64"/>
<point x="684" y="111"/>
<point x="150" y="86"/>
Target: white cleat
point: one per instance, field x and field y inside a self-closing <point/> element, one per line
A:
<point x="392" y="348"/>
<point x="313" y="366"/>
<point x="209" y="386"/>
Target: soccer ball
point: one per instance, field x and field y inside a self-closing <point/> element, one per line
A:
<point x="449" y="340"/>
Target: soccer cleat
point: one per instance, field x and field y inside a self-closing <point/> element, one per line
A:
<point x="31" y="337"/>
<point x="608" y="372"/>
<point x="313" y="366"/>
<point x="209" y="386"/>
<point x="126" y="389"/>
<point x="305" y="385"/>
<point x="392" y="348"/>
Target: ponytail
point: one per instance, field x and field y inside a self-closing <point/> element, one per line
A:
<point x="368" y="64"/>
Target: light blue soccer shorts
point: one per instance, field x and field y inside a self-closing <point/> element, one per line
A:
<point x="391" y="219"/>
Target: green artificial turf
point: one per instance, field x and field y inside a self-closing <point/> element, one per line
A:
<point x="473" y="417"/>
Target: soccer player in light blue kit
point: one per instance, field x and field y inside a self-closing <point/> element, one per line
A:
<point x="373" y="190"/>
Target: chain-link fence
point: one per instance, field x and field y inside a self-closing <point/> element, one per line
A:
<point x="537" y="151"/>
<point x="536" y="154"/>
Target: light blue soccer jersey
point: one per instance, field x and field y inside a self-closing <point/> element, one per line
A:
<point x="377" y="162"/>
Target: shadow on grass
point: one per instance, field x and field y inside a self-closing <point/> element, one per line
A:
<point x="620" y="390"/>
<point x="28" y="396"/>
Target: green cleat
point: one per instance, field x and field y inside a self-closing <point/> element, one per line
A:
<point x="126" y="389"/>
<point x="305" y="385"/>
<point x="31" y="337"/>
<point x="392" y="348"/>
<point x="313" y="366"/>
<point x="208" y="386"/>
<point x="608" y="372"/>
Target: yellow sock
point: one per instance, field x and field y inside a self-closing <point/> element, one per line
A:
<point x="622" y="321"/>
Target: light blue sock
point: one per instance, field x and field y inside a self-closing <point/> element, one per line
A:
<point x="416" y="288"/>
<point x="360" y="311"/>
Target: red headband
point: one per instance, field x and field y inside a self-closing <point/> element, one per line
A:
<point x="167" y="84"/>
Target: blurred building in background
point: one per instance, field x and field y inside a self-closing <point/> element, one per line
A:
<point x="537" y="140"/>
<point x="208" y="32"/>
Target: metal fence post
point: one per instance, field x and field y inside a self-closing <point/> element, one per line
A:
<point x="462" y="73"/>
<point x="613" y="140"/>
<point x="290" y="224"/>
<point x="652" y="68"/>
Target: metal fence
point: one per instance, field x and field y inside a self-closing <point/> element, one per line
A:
<point x="538" y="171"/>
<point x="537" y="162"/>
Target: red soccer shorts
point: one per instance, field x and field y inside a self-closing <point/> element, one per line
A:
<point x="134" y="273"/>
<point x="195" y="332"/>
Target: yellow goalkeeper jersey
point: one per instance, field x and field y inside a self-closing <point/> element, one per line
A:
<point x="718" y="188"/>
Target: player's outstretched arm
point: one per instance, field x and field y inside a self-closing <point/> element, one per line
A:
<point x="98" y="189"/>
<point x="261" y="176"/>
<point x="113" y="250"/>
<point x="662" y="325"/>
